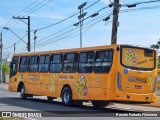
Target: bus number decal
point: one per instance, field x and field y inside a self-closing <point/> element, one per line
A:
<point x="131" y="57"/>
<point x="66" y="77"/>
<point x="82" y="86"/>
<point x="34" y="77"/>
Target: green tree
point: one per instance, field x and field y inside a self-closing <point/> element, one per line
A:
<point x="157" y="47"/>
<point x="6" y="69"/>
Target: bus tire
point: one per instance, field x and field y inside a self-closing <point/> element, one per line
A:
<point x="22" y="92"/>
<point x="67" y="96"/>
<point x="100" y="104"/>
<point x="50" y="98"/>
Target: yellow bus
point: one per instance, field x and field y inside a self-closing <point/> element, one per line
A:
<point x="101" y="74"/>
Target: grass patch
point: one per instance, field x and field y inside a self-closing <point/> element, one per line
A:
<point x="1" y="118"/>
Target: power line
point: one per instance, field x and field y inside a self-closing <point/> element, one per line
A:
<point x="18" y="13"/>
<point x="69" y="26"/>
<point x="66" y="18"/>
<point x="16" y="42"/>
<point x="38" y="7"/>
<point x="72" y="30"/>
<point x="21" y="11"/>
<point x="26" y="7"/>
<point x="28" y="11"/>
<point x="90" y="26"/>
<point x="138" y="3"/>
<point x="66" y="33"/>
<point x="33" y="7"/>
<point x="51" y="39"/>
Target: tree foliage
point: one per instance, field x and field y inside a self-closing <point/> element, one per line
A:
<point x="6" y="69"/>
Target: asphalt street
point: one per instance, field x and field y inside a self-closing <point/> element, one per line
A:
<point x="10" y="101"/>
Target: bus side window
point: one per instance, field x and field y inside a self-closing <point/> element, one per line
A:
<point x="70" y="62"/>
<point x="56" y="63"/>
<point x="23" y="64"/>
<point x="44" y="63"/>
<point x="86" y="62"/>
<point x="33" y="64"/>
<point x="14" y="66"/>
<point x="103" y="61"/>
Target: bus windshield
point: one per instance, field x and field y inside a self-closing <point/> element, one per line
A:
<point x="138" y="58"/>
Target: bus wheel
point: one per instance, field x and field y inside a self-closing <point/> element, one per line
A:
<point x="22" y="93"/>
<point x="50" y="98"/>
<point x="67" y="96"/>
<point x="100" y="104"/>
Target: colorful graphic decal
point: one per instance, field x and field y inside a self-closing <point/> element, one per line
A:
<point x="82" y="86"/>
<point x="131" y="57"/>
<point x="52" y="89"/>
<point x="150" y="80"/>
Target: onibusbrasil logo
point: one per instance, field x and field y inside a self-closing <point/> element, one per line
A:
<point x="82" y="86"/>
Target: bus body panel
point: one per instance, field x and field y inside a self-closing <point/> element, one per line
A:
<point x="90" y="86"/>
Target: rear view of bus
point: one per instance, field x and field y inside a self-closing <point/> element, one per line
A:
<point x="137" y="74"/>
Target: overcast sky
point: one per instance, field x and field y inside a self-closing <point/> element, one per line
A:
<point x="139" y="27"/>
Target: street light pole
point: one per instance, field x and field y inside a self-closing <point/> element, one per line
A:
<point x="1" y="62"/>
<point x="15" y="35"/>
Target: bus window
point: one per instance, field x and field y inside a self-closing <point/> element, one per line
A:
<point x="14" y="66"/>
<point x="44" y="63"/>
<point x="86" y="62"/>
<point x="23" y="64"/>
<point x="103" y="61"/>
<point x="138" y="58"/>
<point x="56" y="63"/>
<point x="70" y="62"/>
<point x="33" y="64"/>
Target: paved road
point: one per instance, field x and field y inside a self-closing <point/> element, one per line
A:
<point x="11" y="102"/>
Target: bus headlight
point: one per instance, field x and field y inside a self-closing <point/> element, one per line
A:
<point x="154" y="85"/>
<point x="119" y="81"/>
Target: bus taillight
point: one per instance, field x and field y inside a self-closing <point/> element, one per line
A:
<point x="119" y="81"/>
<point x="154" y="85"/>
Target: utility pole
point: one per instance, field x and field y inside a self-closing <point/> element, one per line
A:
<point x="1" y="64"/>
<point x="35" y="37"/>
<point x="81" y="18"/>
<point x="29" y="37"/>
<point x="115" y="23"/>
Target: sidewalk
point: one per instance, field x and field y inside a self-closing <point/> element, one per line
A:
<point x="4" y="85"/>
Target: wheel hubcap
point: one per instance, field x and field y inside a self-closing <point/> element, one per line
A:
<point x="22" y="92"/>
<point x="66" y="97"/>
